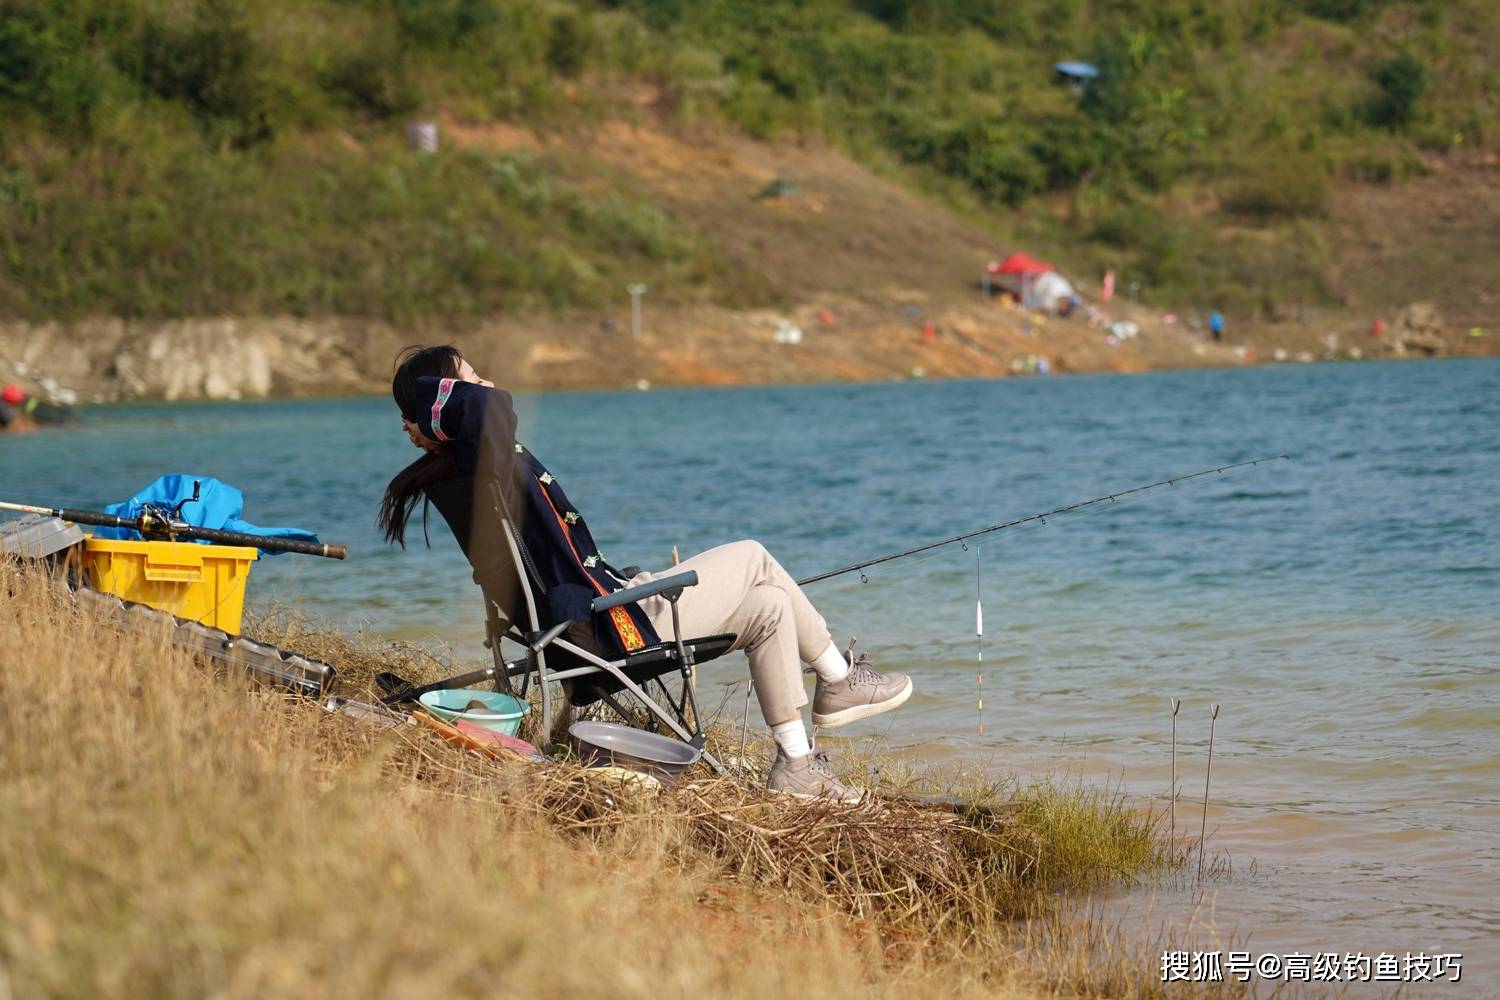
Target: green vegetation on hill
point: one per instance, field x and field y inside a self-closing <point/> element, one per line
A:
<point x="171" y="158"/>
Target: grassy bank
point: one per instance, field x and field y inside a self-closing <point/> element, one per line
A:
<point x="223" y="157"/>
<point x="172" y="834"/>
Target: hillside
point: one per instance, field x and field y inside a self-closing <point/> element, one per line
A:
<point x="1306" y="166"/>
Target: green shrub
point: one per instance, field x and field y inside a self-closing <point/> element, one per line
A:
<point x="444" y="24"/>
<point x="372" y="79"/>
<point x="1283" y="186"/>
<point x="570" y="40"/>
<point x="1070" y="148"/>
<point x="44" y="66"/>
<point x="754" y="106"/>
<point x="209" y="61"/>
<point x="1124" y="225"/>
<point x="19" y="204"/>
<point x="1339" y="10"/>
<point x="995" y="158"/>
<point x="1114" y="97"/>
<point x="912" y="136"/>
<point x="1402" y="81"/>
<point x="520" y="179"/>
<point x="1000" y="160"/>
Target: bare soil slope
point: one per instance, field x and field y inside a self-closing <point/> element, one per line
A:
<point x="1434" y="238"/>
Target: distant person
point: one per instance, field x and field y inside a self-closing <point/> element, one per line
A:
<point x="12" y="406"/>
<point x="24" y="410"/>
<point x="1216" y="325"/>
<point x="467" y="427"/>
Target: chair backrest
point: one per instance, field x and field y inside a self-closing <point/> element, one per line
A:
<point x="523" y="573"/>
<point x="502" y="567"/>
<point x="581" y="635"/>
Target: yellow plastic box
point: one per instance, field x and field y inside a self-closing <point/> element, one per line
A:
<point x="202" y="583"/>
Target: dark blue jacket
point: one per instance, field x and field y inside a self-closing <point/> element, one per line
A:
<point x="567" y="570"/>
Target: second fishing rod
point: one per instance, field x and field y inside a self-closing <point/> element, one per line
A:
<point x="1041" y="517"/>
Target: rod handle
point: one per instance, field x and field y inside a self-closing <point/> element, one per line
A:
<point x="265" y="543"/>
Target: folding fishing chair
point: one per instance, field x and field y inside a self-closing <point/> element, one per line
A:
<point x="565" y="655"/>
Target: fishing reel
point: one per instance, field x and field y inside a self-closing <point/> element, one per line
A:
<point x="158" y="521"/>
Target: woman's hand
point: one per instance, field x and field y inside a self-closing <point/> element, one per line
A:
<point x="418" y="438"/>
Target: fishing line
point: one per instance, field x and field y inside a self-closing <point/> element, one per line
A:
<point x="1040" y="518"/>
<point x="1027" y="530"/>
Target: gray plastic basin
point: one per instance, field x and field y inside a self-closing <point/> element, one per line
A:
<point x="608" y="744"/>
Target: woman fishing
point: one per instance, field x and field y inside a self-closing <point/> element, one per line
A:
<point x="467" y="429"/>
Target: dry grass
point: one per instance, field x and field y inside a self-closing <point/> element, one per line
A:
<point x="168" y="833"/>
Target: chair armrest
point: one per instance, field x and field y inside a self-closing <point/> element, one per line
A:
<point x="664" y="585"/>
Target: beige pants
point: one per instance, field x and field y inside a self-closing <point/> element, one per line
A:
<point x="742" y="589"/>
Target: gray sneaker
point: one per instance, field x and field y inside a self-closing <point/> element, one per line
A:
<point x="808" y="778"/>
<point x="862" y="693"/>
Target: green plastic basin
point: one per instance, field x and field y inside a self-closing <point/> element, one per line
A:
<point x="489" y="709"/>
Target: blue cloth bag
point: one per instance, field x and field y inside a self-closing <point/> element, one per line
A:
<point x="219" y="506"/>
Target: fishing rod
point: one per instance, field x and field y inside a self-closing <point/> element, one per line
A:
<point x="1042" y="517"/>
<point x="161" y="523"/>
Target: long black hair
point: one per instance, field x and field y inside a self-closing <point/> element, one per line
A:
<point x="410" y="484"/>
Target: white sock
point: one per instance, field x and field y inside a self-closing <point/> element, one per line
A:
<point x="792" y="738"/>
<point x="830" y="665"/>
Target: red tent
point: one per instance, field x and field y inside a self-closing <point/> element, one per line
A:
<point x="1019" y="263"/>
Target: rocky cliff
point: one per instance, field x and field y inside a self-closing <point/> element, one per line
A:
<point x="222" y="358"/>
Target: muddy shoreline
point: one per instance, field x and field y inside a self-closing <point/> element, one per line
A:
<point x="113" y="360"/>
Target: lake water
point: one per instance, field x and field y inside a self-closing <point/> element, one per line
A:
<point x="1341" y="607"/>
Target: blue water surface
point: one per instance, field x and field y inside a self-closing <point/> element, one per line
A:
<point x="1340" y="606"/>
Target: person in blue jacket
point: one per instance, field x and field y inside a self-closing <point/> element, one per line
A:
<point x="474" y="470"/>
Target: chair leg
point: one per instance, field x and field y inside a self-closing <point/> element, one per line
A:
<point x="689" y="678"/>
<point x="501" y="675"/>
<point x="681" y="705"/>
<point x="566" y="715"/>
<point x="539" y="668"/>
<point x="691" y="700"/>
<point x="493" y="630"/>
